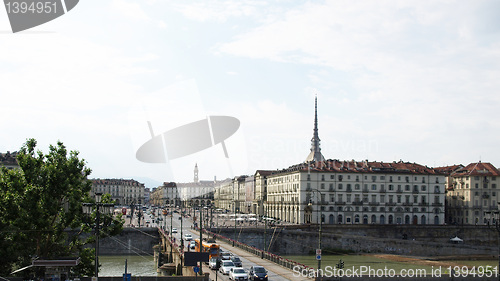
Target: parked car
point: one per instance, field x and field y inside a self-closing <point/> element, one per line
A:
<point x="238" y="273"/>
<point x="258" y="273"/>
<point x="188" y="237"/>
<point x="236" y="260"/>
<point x="174" y="230"/>
<point x="226" y="266"/>
<point x="214" y="263"/>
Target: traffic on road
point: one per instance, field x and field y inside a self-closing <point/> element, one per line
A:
<point x="226" y="265"/>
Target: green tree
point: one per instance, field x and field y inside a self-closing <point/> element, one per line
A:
<point x="41" y="201"/>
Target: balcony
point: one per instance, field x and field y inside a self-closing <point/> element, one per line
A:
<point x="437" y="204"/>
<point x="365" y="190"/>
<point x="399" y="190"/>
<point x="340" y="203"/>
<point x="390" y="204"/>
<point x="357" y="203"/>
<point x="374" y="203"/>
<point x="382" y="190"/>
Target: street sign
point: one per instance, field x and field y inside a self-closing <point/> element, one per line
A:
<point x="318" y="251"/>
<point x="196" y="269"/>
<point x="318" y="257"/>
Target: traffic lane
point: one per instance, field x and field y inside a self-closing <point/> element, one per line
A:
<point x="246" y="263"/>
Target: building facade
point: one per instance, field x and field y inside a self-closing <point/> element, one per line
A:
<point x="471" y="191"/>
<point x="123" y="191"/>
<point x="350" y="192"/>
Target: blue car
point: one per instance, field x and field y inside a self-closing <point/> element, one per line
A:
<point x="258" y="273"/>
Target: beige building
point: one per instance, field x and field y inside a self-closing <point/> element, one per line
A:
<point x="472" y="191"/>
<point x="350" y="192"/>
<point x="165" y="195"/>
<point x="231" y="195"/>
<point x="124" y="192"/>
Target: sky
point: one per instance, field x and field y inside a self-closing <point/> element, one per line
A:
<point x="395" y="80"/>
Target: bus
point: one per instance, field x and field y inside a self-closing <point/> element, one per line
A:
<point x="212" y="249"/>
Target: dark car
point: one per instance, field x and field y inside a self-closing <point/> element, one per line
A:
<point x="258" y="273"/>
<point x="237" y="262"/>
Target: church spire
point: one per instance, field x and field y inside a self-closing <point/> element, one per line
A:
<point x="315" y="154"/>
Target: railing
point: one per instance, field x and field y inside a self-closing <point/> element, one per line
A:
<point x="176" y="247"/>
<point x="290" y="264"/>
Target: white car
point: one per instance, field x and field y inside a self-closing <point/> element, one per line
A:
<point x="192" y="245"/>
<point x="174" y="230"/>
<point x="188" y="237"/>
<point x="238" y="273"/>
<point x="225" y="267"/>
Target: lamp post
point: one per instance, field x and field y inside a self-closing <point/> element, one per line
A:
<point x="320" y="225"/>
<point x="106" y="209"/>
<point x="495" y="216"/>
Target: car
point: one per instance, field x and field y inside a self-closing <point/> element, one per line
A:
<point x="225" y="255"/>
<point x="236" y="260"/>
<point x="225" y="267"/>
<point x="192" y="245"/>
<point x="238" y="273"/>
<point x="174" y="230"/>
<point x="188" y="237"/>
<point x="258" y="273"/>
<point x="214" y="263"/>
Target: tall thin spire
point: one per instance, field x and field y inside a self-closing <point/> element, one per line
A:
<point x="196" y="173"/>
<point x="315" y="154"/>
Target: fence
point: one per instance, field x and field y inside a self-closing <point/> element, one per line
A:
<point x="290" y="264"/>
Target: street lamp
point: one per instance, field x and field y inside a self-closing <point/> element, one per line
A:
<point x="496" y="225"/>
<point x="106" y="208"/>
<point x="320" y="225"/>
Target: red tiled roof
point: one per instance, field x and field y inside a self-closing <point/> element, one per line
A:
<point x="477" y="169"/>
<point x="363" y="167"/>
<point x="449" y="169"/>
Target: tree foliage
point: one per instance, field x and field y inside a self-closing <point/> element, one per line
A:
<point x="41" y="201"/>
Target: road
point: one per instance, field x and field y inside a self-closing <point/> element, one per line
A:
<point x="275" y="272"/>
